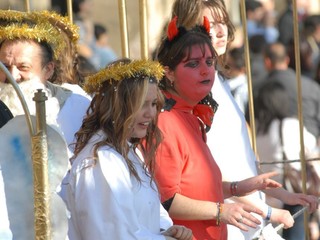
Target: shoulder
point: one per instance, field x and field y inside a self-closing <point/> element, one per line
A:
<point x="77" y="101"/>
<point x="168" y="119"/>
<point x="76" y="89"/>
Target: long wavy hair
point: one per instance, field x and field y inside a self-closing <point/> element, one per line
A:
<point x="113" y="110"/>
<point x="67" y="65"/>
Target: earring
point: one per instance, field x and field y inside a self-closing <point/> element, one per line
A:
<point x="172" y="84"/>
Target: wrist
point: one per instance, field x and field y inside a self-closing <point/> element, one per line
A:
<point x="218" y="213"/>
<point x="269" y="212"/>
<point x="234" y="189"/>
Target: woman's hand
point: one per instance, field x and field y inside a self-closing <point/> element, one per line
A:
<point x="312" y="202"/>
<point x="178" y="232"/>
<point x="239" y="215"/>
<point x="282" y="216"/>
<point x="260" y="182"/>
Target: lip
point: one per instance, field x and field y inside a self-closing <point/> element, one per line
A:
<point x="144" y="125"/>
<point x="221" y="43"/>
<point x="207" y="81"/>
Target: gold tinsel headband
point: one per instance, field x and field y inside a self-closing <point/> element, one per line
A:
<point x="118" y="72"/>
<point x="43" y="32"/>
<point x="12" y="15"/>
<point x="41" y="26"/>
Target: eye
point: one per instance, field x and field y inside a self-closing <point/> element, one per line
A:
<point x="210" y="62"/>
<point x="24" y="67"/>
<point x="155" y="103"/>
<point x="192" y="64"/>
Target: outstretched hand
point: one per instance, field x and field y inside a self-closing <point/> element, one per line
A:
<point x="239" y="215"/>
<point x="259" y="182"/>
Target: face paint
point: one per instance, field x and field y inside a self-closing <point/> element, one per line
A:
<point x="194" y="76"/>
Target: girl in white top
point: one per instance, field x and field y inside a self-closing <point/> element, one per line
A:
<point x="109" y="189"/>
<point x="272" y="114"/>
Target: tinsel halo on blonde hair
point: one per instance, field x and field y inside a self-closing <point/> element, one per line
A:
<point x="119" y="71"/>
<point x="40" y="26"/>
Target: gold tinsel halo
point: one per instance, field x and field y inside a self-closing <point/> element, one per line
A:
<point x="118" y="72"/>
<point x="61" y="22"/>
<point x="12" y="15"/>
<point x="41" y="32"/>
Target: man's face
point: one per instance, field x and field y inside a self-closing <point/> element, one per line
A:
<point x="23" y="60"/>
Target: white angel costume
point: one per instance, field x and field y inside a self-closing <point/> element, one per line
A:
<point x="106" y="202"/>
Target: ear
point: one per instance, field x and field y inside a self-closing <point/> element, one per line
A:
<point x="267" y="63"/>
<point x="169" y="73"/>
<point x="287" y="60"/>
<point x="49" y="70"/>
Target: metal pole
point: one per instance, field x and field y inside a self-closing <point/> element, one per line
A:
<point x="40" y="171"/>
<point x="123" y="28"/>
<point x="27" y="5"/>
<point x="300" y="110"/>
<point x="70" y="13"/>
<point x="143" y="29"/>
<point x="248" y="70"/>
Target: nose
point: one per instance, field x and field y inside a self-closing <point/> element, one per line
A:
<point x="15" y="73"/>
<point x="204" y="70"/>
<point x="217" y="30"/>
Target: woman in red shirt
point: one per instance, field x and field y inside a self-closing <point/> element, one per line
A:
<point x="188" y="177"/>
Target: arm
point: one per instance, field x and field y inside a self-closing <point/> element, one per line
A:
<point x="294" y="198"/>
<point x="250" y="185"/>
<point x="190" y="209"/>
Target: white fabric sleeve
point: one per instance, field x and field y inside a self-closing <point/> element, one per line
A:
<point x="104" y="202"/>
<point x="165" y="220"/>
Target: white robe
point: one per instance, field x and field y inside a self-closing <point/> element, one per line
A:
<point x="105" y="202"/>
<point x="229" y="143"/>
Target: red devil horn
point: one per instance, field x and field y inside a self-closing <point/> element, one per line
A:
<point x="206" y="24"/>
<point x="172" y="29"/>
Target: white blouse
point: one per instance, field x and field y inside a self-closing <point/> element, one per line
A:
<point x="106" y="202"/>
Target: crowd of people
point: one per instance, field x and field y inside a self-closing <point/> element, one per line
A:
<point x="160" y="149"/>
